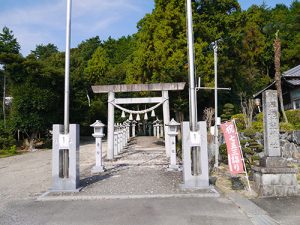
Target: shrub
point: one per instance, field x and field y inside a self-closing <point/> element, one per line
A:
<point x="228" y="110"/>
<point x="293" y="117"/>
<point x="239" y="121"/>
<point x="258" y="126"/>
<point x="285" y="127"/>
<point x="259" y="117"/>
<point x="250" y="132"/>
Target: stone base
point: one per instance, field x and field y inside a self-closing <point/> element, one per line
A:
<point x="97" y="169"/>
<point x="273" y="162"/>
<point x="270" y="182"/>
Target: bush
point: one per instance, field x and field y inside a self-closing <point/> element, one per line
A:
<point x="286" y="127"/>
<point x="293" y="117"/>
<point x="8" y="152"/>
<point x="259" y="117"/>
<point x="239" y="121"/>
<point x="223" y="153"/>
<point x="258" y="126"/>
<point x="250" y="132"/>
<point x="228" y="110"/>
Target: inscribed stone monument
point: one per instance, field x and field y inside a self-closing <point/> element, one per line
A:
<point x="273" y="177"/>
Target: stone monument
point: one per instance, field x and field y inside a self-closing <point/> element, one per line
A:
<point x="273" y="177"/>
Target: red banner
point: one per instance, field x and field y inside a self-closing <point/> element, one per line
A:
<point x="233" y="148"/>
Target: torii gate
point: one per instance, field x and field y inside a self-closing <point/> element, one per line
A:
<point x="113" y="102"/>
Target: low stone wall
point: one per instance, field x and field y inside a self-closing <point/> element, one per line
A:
<point x="275" y="181"/>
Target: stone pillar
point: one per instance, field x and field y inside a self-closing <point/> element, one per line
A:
<point x="166" y="120"/>
<point x="154" y="129"/>
<point x="133" y="128"/>
<point x="61" y="142"/>
<point x="273" y="177"/>
<point x="123" y="137"/>
<point x="271" y="124"/>
<point x="110" y="126"/>
<point x="116" y="140"/>
<point x="119" y="138"/>
<point x="128" y="131"/>
<point x="157" y="131"/>
<point x="161" y="129"/>
<point x="197" y="139"/>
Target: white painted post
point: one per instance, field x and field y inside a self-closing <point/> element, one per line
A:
<point x="166" y="120"/>
<point x="110" y="126"/>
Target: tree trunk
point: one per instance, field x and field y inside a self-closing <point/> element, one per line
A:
<point x="277" y="52"/>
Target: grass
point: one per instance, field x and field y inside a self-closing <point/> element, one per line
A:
<point x="8" y="152"/>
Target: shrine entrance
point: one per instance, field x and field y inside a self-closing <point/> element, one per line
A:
<point x="159" y="128"/>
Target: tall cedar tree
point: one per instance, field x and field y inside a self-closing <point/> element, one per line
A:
<point x="277" y="51"/>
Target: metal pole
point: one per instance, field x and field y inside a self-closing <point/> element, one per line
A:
<point x="67" y="88"/>
<point x="192" y="90"/>
<point x="216" y="105"/>
<point x="67" y="68"/>
<point x="193" y="116"/>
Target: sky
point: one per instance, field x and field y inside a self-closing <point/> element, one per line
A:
<point x="36" y="22"/>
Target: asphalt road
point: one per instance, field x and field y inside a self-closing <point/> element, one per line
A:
<point x="284" y="210"/>
<point x="169" y="211"/>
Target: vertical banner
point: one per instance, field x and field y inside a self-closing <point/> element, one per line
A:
<point x="235" y="161"/>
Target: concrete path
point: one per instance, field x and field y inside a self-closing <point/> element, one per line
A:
<point x="136" y="189"/>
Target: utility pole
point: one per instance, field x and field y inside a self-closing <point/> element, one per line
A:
<point x="216" y="88"/>
<point x="215" y="46"/>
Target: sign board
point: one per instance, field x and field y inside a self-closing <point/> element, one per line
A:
<point x="195" y="138"/>
<point x="235" y="161"/>
<point x="64" y="141"/>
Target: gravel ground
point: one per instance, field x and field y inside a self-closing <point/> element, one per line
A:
<point x="28" y="175"/>
<point x="140" y="170"/>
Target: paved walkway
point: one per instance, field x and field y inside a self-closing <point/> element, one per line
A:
<point x="140" y="171"/>
<point x="136" y="189"/>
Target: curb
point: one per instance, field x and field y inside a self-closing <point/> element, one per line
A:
<point x="257" y="215"/>
<point x="45" y="196"/>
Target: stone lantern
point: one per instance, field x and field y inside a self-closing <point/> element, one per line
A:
<point x="98" y="135"/>
<point x="173" y="132"/>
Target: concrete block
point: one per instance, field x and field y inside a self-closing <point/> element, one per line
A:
<point x="280" y="190"/>
<point x="292" y="190"/>
<point x="267" y="190"/>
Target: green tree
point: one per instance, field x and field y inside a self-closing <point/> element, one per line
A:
<point x="8" y="43"/>
<point x="44" y="51"/>
<point x="97" y="67"/>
